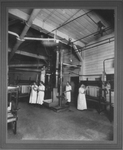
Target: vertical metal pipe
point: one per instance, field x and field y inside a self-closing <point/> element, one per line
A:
<point x="61" y="75"/>
<point x="57" y="67"/>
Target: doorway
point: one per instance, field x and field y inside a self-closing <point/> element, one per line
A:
<point x="75" y="87"/>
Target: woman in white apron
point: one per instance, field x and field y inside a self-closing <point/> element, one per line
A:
<point x="81" y="102"/>
<point x="108" y="87"/>
<point x="68" y="92"/>
<point x="41" y="90"/>
<point x="33" y="94"/>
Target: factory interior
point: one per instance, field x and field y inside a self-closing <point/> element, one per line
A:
<point x="57" y="46"/>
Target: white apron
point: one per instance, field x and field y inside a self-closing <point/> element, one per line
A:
<point x="68" y="94"/>
<point x="81" y="102"/>
<point x="40" y="98"/>
<point x="108" y="87"/>
<point x="33" y="94"/>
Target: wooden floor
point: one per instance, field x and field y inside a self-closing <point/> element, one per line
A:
<point x="42" y="123"/>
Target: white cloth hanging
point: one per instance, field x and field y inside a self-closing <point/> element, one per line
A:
<point x="40" y="98"/>
<point x="68" y="93"/>
<point x="33" y="94"/>
<point x="43" y="72"/>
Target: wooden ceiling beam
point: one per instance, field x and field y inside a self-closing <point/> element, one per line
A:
<point x="40" y="24"/>
<point x="25" y="65"/>
<point x="30" y="54"/>
<point x="26" y="28"/>
<point x="29" y="70"/>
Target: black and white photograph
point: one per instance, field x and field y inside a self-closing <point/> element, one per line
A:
<point x="61" y="74"/>
<point x="61" y="62"/>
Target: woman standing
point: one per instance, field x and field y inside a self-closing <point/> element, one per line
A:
<point x="41" y="90"/>
<point x="81" y="102"/>
<point x="33" y="94"/>
<point x="108" y="88"/>
<point x="68" y="92"/>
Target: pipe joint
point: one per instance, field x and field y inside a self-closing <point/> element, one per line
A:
<point x="18" y="38"/>
<point x="27" y="24"/>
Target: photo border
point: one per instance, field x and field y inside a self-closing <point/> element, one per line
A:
<point x="118" y="79"/>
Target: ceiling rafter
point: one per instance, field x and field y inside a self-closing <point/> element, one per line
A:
<point x="29" y="54"/>
<point x="26" y="28"/>
<point x="39" y="24"/>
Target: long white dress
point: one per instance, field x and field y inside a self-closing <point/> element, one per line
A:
<point x="33" y="94"/>
<point x="40" y="99"/>
<point x="68" y="94"/>
<point x="81" y="102"/>
<point x="108" y="87"/>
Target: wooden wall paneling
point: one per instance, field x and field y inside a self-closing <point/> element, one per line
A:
<point x="93" y="59"/>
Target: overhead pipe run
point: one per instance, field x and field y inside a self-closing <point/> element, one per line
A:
<point x="48" y="39"/>
<point x="97" y="45"/>
<point x="13" y="33"/>
<point x="26" y="28"/>
<point x="42" y="39"/>
<point x="102" y="42"/>
<point x="94" y="33"/>
<point x="31" y="38"/>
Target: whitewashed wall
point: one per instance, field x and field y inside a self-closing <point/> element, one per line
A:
<point x="93" y="60"/>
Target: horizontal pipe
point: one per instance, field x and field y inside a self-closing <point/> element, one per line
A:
<point x="97" y="45"/>
<point x="48" y="39"/>
<point x="32" y="38"/>
<point x="109" y="40"/>
<point x="108" y="28"/>
<point x="42" y="39"/>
